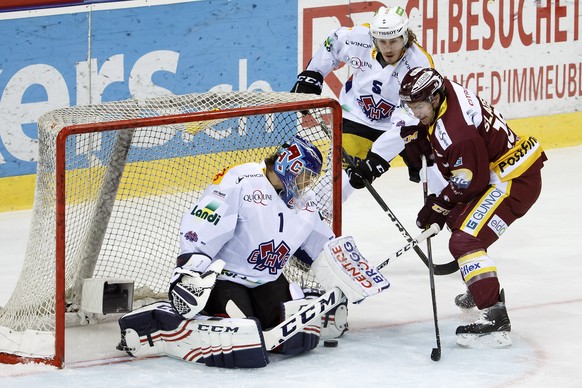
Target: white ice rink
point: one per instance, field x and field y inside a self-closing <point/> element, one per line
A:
<point x="539" y="261"/>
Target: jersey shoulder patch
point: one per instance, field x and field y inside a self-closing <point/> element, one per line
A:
<point x="236" y="174"/>
<point x="218" y="177"/>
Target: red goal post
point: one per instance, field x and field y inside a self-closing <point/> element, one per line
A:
<point x="112" y="183"/>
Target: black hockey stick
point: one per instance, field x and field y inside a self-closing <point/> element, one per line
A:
<point x="439" y="269"/>
<point x="435" y="355"/>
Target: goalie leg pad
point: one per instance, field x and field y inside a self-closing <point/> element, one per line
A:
<point x="140" y="328"/>
<point x="335" y="323"/>
<point x="224" y="343"/>
<point x="307" y="338"/>
<point x="341" y="265"/>
<point x="221" y="342"/>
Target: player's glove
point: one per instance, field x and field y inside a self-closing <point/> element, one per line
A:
<point x="435" y="210"/>
<point x="416" y="144"/>
<point x="413" y="172"/>
<point x="308" y="81"/>
<point x="368" y="169"/>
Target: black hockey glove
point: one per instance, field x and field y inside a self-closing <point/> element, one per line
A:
<point x="413" y="172"/>
<point x="416" y="144"/>
<point x="368" y="169"/>
<point x="435" y="210"/>
<point x="308" y="81"/>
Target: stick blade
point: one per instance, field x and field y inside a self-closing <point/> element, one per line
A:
<point x="233" y="310"/>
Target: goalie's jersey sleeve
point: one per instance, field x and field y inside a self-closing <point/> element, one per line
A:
<point x="241" y="219"/>
<point x="370" y="95"/>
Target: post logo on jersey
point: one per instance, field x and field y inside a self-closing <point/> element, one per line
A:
<point x="375" y="110"/>
<point x="269" y="257"/>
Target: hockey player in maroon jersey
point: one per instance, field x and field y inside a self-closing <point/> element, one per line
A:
<point x="493" y="179"/>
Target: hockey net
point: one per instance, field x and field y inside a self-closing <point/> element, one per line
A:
<point x="113" y="181"/>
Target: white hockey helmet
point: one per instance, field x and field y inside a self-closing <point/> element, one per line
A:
<point x="389" y="23"/>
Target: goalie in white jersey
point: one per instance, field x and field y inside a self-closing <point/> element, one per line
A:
<point x="379" y="55"/>
<point x="234" y="244"/>
<point x="254" y="217"/>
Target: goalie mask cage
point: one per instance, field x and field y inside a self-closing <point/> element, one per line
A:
<point x="113" y="181"/>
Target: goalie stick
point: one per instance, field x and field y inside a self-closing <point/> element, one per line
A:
<point x="320" y="306"/>
<point x="439" y="269"/>
<point x="292" y="325"/>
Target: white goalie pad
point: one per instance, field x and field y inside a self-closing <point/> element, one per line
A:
<point x="341" y="265"/>
<point x="157" y="329"/>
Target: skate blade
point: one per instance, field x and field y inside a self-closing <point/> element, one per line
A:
<point x="497" y="340"/>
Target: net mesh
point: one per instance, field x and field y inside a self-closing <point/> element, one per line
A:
<point x="126" y="190"/>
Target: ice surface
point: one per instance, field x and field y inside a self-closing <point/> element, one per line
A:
<point x="539" y="262"/>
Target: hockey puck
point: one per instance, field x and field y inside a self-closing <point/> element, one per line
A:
<point x="330" y="343"/>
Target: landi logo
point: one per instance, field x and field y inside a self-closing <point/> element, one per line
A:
<point x="208" y="213"/>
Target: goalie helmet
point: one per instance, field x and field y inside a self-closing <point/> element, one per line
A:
<point x="390" y="23"/>
<point x="419" y="84"/>
<point x="297" y="165"/>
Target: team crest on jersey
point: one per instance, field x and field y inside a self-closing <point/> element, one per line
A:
<point x="191" y="236"/>
<point x="375" y="110"/>
<point x="268" y="257"/>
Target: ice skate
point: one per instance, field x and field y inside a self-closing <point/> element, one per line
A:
<point x="491" y="330"/>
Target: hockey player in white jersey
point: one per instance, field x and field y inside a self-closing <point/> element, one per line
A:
<point x="234" y="244"/>
<point x="379" y="54"/>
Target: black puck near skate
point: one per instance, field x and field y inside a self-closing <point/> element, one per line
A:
<point x="330" y="343"/>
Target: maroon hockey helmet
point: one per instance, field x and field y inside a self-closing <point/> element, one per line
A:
<point x="420" y="83"/>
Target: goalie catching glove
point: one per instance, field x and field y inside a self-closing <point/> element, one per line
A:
<point x="191" y="284"/>
<point x="341" y="265"/>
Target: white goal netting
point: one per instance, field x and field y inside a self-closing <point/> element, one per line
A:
<point x="131" y="168"/>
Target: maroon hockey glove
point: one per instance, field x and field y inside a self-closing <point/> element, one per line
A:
<point x="416" y="144"/>
<point x="368" y="169"/>
<point x="435" y="210"/>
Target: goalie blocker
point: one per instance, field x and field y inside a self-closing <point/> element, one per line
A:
<point x="158" y="329"/>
